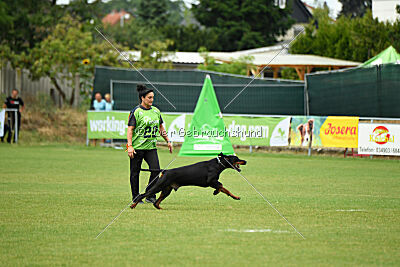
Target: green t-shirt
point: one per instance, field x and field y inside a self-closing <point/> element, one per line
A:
<point x="147" y="127"/>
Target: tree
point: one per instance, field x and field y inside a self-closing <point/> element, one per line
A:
<point x="85" y="11"/>
<point x="242" y="24"/>
<point x="190" y="37"/>
<point x="356" y="39"/>
<point x="355" y="8"/>
<point x="175" y="11"/>
<point x="69" y="50"/>
<point x="154" y="55"/>
<point x="129" y="6"/>
<point x="153" y="13"/>
<point x="24" y="23"/>
<point x="133" y="33"/>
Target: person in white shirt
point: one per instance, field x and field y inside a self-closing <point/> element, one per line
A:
<point x="99" y="104"/>
<point x="109" y="102"/>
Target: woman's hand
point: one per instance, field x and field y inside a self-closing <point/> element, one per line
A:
<point x="131" y="152"/>
<point x="170" y="147"/>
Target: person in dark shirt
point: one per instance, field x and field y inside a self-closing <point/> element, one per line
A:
<point x="13" y="102"/>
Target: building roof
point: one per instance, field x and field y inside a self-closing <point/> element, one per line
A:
<point x="181" y="57"/>
<point x="290" y="60"/>
<point x="300" y="12"/>
<point x="261" y="57"/>
<point x="309" y="8"/>
<point x="115" y="17"/>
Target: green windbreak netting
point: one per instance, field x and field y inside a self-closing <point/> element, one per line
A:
<point x="389" y="91"/>
<point x="365" y="92"/>
<point x="182" y="88"/>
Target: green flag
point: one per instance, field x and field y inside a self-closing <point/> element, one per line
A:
<point x="207" y="135"/>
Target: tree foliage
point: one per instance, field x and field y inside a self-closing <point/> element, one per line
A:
<point x="24" y="23"/>
<point x="154" y="55"/>
<point x="128" y="5"/>
<point x="356" y="39"/>
<point x="133" y="33"/>
<point x="153" y="13"/>
<point x="190" y="37"/>
<point x="242" y="24"/>
<point x="355" y="8"/>
<point x="67" y="51"/>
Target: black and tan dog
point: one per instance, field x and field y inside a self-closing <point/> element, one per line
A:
<point x="204" y="174"/>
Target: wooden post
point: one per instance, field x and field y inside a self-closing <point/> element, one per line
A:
<point x="254" y="72"/>
<point x="300" y="71"/>
<point x="276" y="72"/>
<point x="18" y="79"/>
<point x="77" y="88"/>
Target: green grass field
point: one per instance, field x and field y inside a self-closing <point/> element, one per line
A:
<point x="54" y="200"/>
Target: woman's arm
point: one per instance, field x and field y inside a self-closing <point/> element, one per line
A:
<point x="131" y="151"/>
<point x="164" y="135"/>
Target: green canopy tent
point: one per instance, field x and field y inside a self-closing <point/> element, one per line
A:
<point x="389" y="55"/>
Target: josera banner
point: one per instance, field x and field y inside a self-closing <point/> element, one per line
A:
<point x="324" y="131"/>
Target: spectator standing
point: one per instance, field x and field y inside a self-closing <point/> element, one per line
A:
<point x="99" y="104"/>
<point x="14" y="102"/>
<point x="109" y="102"/>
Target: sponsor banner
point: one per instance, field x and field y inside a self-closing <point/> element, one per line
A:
<point x="328" y="131"/>
<point x="258" y="131"/>
<point x="114" y="124"/>
<point x="339" y="132"/>
<point x="255" y="131"/>
<point x="261" y="131"/>
<point x="2" y="120"/>
<point x="379" y="139"/>
<point x="103" y="124"/>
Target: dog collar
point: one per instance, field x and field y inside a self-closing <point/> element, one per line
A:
<point x="219" y="161"/>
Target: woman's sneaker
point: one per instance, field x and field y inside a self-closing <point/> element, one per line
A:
<point x="151" y="200"/>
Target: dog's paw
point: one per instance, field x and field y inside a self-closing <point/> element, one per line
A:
<point x="236" y="198"/>
<point x="216" y="192"/>
<point x="157" y="206"/>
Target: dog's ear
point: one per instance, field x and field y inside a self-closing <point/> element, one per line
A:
<point x="221" y="154"/>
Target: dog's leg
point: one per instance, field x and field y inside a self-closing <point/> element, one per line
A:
<point x="138" y="199"/>
<point x="226" y="191"/>
<point x="152" y="191"/>
<point x="164" y="193"/>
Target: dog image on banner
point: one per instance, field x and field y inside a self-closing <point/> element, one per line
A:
<point x="304" y="131"/>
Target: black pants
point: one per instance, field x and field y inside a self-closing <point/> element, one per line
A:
<point x="151" y="157"/>
<point x="9" y="127"/>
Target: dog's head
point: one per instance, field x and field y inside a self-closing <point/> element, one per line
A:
<point x="232" y="162"/>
